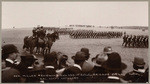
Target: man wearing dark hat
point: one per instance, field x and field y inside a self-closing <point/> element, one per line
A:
<point x="136" y="76"/>
<point x="9" y="54"/>
<point x="50" y="66"/>
<point x="86" y="51"/>
<point x="114" y="67"/>
<point x="98" y="69"/>
<point x="87" y="67"/>
<point x="98" y="61"/>
<point x="25" y="67"/>
<point x="79" y="59"/>
<point x="26" y="64"/>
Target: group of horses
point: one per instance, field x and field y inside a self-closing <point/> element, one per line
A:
<point x="31" y="42"/>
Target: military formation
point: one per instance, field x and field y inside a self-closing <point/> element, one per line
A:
<point x="135" y="41"/>
<point x="106" y="67"/>
<point x="81" y="34"/>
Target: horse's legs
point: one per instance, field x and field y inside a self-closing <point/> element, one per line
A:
<point x="31" y="50"/>
<point x="43" y="50"/>
<point x="36" y="50"/>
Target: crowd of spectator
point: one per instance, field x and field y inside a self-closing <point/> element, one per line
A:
<point x="107" y="67"/>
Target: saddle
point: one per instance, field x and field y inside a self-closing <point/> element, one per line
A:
<point x="41" y="40"/>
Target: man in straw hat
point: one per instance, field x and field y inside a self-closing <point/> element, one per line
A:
<point x="137" y="74"/>
<point x="114" y="67"/>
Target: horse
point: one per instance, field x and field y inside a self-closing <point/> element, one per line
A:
<point x="46" y="46"/>
<point x="30" y="43"/>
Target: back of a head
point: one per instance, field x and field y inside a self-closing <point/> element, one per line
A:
<point x="8" y="49"/>
<point x="107" y="50"/>
<point x="50" y="58"/>
<point x="86" y="51"/>
<point x="138" y="63"/>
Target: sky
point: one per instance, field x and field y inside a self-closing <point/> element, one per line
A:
<point x="31" y="14"/>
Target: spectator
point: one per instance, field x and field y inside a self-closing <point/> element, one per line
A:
<point x="107" y="50"/>
<point x="76" y="69"/>
<point x="86" y="51"/>
<point x="98" y="69"/>
<point x="26" y="64"/>
<point x="50" y="64"/>
<point x="136" y="75"/>
<point x="98" y="61"/>
<point x="114" y="67"/>
<point x="9" y="55"/>
<point x="87" y="67"/>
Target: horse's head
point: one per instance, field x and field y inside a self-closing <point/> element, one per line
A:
<point x="56" y="35"/>
<point x="53" y="36"/>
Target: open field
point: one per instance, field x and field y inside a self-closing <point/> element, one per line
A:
<point x="71" y="46"/>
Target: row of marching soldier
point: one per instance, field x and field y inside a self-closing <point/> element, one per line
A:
<point x="135" y="41"/>
<point x="54" y="67"/>
<point x="76" y="34"/>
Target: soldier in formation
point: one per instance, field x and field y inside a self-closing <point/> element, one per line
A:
<point x="135" y="41"/>
<point x="77" y="34"/>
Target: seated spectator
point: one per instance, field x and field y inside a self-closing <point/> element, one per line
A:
<point x="136" y="75"/>
<point x="63" y="61"/>
<point x="50" y="64"/>
<point x="9" y="73"/>
<point x="73" y="71"/>
<point x="25" y="67"/>
<point x="87" y="66"/>
<point x="114" y="67"/>
<point x="98" y="70"/>
<point x="86" y="51"/>
<point x="9" y="55"/>
<point x="98" y="61"/>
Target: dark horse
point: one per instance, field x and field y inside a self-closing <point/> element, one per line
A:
<point x="46" y="46"/>
<point x="30" y="43"/>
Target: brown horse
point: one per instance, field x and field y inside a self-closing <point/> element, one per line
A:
<point x="46" y="46"/>
<point x="51" y="39"/>
<point x="30" y="43"/>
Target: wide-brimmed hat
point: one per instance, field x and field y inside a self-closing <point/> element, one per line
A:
<point x="99" y="59"/>
<point x="107" y="50"/>
<point x="138" y="61"/>
<point x="79" y="56"/>
<point x="114" y="62"/>
<point x="8" y="49"/>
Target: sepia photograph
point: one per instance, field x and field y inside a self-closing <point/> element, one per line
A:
<point x="74" y="42"/>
